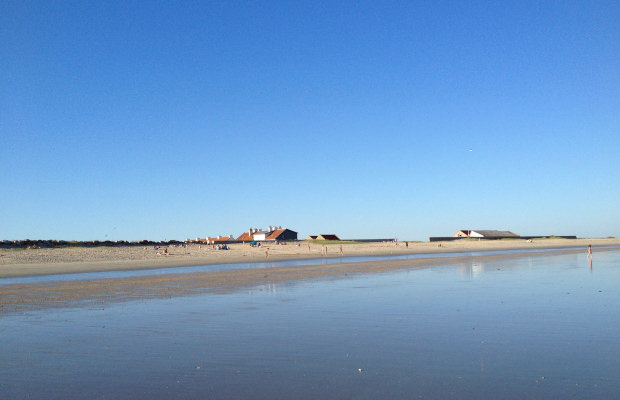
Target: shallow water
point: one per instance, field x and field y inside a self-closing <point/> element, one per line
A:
<point x="531" y="327"/>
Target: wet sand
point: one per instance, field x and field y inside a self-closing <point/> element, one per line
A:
<point x="526" y="326"/>
<point x="98" y="292"/>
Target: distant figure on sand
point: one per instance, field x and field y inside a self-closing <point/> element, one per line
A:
<point x="589" y="251"/>
<point x="267" y="252"/>
<point x="340" y="249"/>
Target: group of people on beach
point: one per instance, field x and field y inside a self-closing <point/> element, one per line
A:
<point x="164" y="252"/>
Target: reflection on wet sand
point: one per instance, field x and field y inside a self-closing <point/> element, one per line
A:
<point x="66" y="293"/>
<point x="477" y="268"/>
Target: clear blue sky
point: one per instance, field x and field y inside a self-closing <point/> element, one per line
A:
<point x="168" y="120"/>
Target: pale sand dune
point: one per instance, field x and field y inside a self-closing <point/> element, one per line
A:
<point x="31" y="262"/>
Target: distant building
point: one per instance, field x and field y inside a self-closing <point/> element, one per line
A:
<point x="213" y="240"/>
<point x="465" y="233"/>
<point x="325" y="236"/>
<point x="273" y="233"/>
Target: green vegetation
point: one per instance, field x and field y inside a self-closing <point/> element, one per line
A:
<point x="548" y="237"/>
<point x="332" y="241"/>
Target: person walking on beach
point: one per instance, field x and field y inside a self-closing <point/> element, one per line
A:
<point x="589" y="251"/>
<point x="267" y="253"/>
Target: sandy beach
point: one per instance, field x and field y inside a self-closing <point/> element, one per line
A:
<point x="48" y="261"/>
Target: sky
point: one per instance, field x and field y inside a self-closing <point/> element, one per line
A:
<point x="159" y="120"/>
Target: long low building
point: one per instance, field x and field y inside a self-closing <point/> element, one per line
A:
<point x="484" y="233"/>
<point x="488" y="234"/>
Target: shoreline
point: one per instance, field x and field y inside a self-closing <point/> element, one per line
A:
<point x="16" y="263"/>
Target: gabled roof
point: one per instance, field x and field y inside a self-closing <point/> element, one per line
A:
<point x="277" y="233"/>
<point x="274" y="235"/>
<point x="245" y="236"/>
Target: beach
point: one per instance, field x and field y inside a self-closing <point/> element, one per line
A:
<point x="537" y="324"/>
<point x="67" y="260"/>
<point x="19" y="263"/>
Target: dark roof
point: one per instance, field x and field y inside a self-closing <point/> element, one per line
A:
<point x="274" y="235"/>
<point x="492" y="233"/>
<point x="328" y="236"/>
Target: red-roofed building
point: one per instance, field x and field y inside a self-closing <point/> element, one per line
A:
<point x="272" y="234"/>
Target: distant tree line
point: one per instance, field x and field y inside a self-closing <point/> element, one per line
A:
<point x="33" y="244"/>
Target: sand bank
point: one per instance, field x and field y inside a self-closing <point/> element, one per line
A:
<point x="35" y="262"/>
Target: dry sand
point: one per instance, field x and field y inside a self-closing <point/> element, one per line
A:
<point x="98" y="292"/>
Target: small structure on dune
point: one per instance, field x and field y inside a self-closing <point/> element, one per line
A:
<point x="325" y="236"/>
